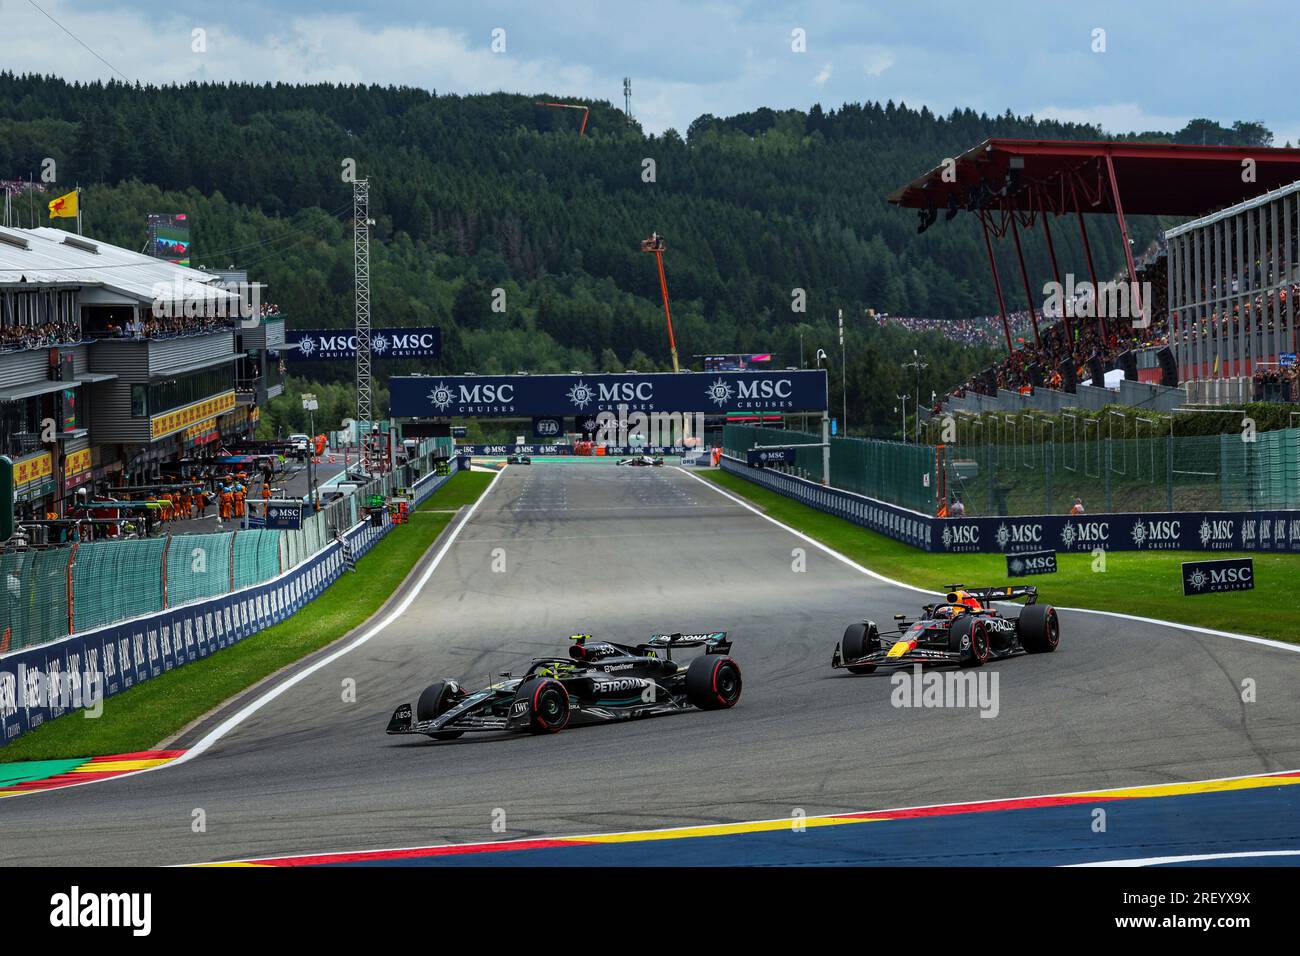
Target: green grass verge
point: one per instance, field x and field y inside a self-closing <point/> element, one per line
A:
<point x="463" y="489"/>
<point x="150" y="712"/>
<point x="1146" y="583"/>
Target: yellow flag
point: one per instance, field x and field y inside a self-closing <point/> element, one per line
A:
<point x="65" y="207"/>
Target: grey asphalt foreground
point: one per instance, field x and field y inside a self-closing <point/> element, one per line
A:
<point x="622" y="553"/>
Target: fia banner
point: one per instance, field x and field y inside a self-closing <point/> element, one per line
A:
<point x="325" y="345"/>
<point x="548" y="427"/>
<point x="1026" y="563"/>
<point x="1215" y="577"/>
<point x="521" y="396"/>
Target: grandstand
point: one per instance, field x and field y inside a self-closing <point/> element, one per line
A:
<point x="1220" y="324"/>
<point x="138" y="363"/>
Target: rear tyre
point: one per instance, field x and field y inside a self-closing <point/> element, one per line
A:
<point x="713" y="683"/>
<point x="1039" y="629"/>
<point x="859" y="640"/>
<point x="436" y="700"/>
<point x="548" y="705"/>
<point x="975" y="634"/>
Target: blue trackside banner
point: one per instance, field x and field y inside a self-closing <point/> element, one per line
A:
<point x="559" y="451"/>
<point x="1267" y="531"/>
<point x="324" y="345"/>
<point x="1213" y="577"/>
<point x="526" y="396"/>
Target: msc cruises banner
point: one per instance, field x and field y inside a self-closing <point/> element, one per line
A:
<point x="323" y="345"/>
<point x="1277" y="531"/>
<point x="525" y="396"/>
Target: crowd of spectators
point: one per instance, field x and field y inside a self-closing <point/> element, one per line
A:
<point x="1277" y="383"/>
<point x="166" y="327"/>
<point x="1040" y="362"/>
<point x="15" y="338"/>
<point x="986" y="330"/>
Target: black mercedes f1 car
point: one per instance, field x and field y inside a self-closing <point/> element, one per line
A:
<point x="964" y="629"/>
<point x="600" y="682"/>
<point x="642" y="461"/>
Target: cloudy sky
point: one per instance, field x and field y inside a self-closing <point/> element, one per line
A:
<point x="1163" y="62"/>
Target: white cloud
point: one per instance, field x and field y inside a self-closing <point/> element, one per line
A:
<point x="1114" y="117"/>
<point x="878" y="60"/>
<point x="823" y="75"/>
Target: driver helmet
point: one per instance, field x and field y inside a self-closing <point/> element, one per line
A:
<point x="964" y="598"/>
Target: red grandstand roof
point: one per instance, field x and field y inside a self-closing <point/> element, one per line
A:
<point x="1153" y="179"/>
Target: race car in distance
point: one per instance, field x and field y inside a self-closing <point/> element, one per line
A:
<point x="642" y="461"/>
<point x="518" y="460"/>
<point x="599" y="682"/>
<point x="964" y="629"/>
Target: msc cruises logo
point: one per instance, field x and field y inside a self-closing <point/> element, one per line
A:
<point x="307" y="345"/>
<point x="442" y="396"/>
<point x="379" y="344"/>
<point x="719" y="393"/>
<point x="581" y="394"/>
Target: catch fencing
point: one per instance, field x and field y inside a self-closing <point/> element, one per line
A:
<point x="50" y="593"/>
<point x="896" y="472"/>
<point x="1025" y="465"/>
<point x="1273" y="531"/>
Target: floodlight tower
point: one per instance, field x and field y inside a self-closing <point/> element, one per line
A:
<point x="361" y="270"/>
<point x="656" y="245"/>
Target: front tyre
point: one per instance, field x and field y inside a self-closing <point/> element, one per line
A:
<point x="713" y="683"/>
<point x="548" y="705"/>
<point x="859" y="641"/>
<point x="436" y="700"/>
<point x="969" y="636"/>
<point x="1039" y="629"/>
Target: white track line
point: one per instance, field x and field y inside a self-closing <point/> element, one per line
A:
<point x="234" y="720"/>
<point x="1192" y="858"/>
<point x="1248" y="638"/>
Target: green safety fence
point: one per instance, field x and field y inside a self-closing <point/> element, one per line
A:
<point x="1042" y="467"/>
<point x="35" y="598"/>
<point x="198" y="566"/>
<point x="257" y="556"/>
<point x="115" y="580"/>
<point x="98" y="583"/>
<point x="899" y="473"/>
<point x="1031" y="466"/>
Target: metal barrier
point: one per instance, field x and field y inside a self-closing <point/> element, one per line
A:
<point x="1273" y="531"/>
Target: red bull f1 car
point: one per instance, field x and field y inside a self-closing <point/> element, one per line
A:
<point x="964" y="629"/>
<point x="600" y="682"/>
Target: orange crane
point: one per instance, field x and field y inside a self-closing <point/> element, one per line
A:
<point x="656" y="245"/>
<point x="586" y="111"/>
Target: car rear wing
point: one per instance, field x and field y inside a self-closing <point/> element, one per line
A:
<point x="713" y="642"/>
<point x="1016" y="592"/>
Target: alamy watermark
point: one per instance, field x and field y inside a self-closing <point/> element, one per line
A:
<point x="976" y="689"/>
<point x="662" y="429"/>
<point x="1110" y="300"/>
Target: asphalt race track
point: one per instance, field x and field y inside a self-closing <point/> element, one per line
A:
<point x="622" y="553"/>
